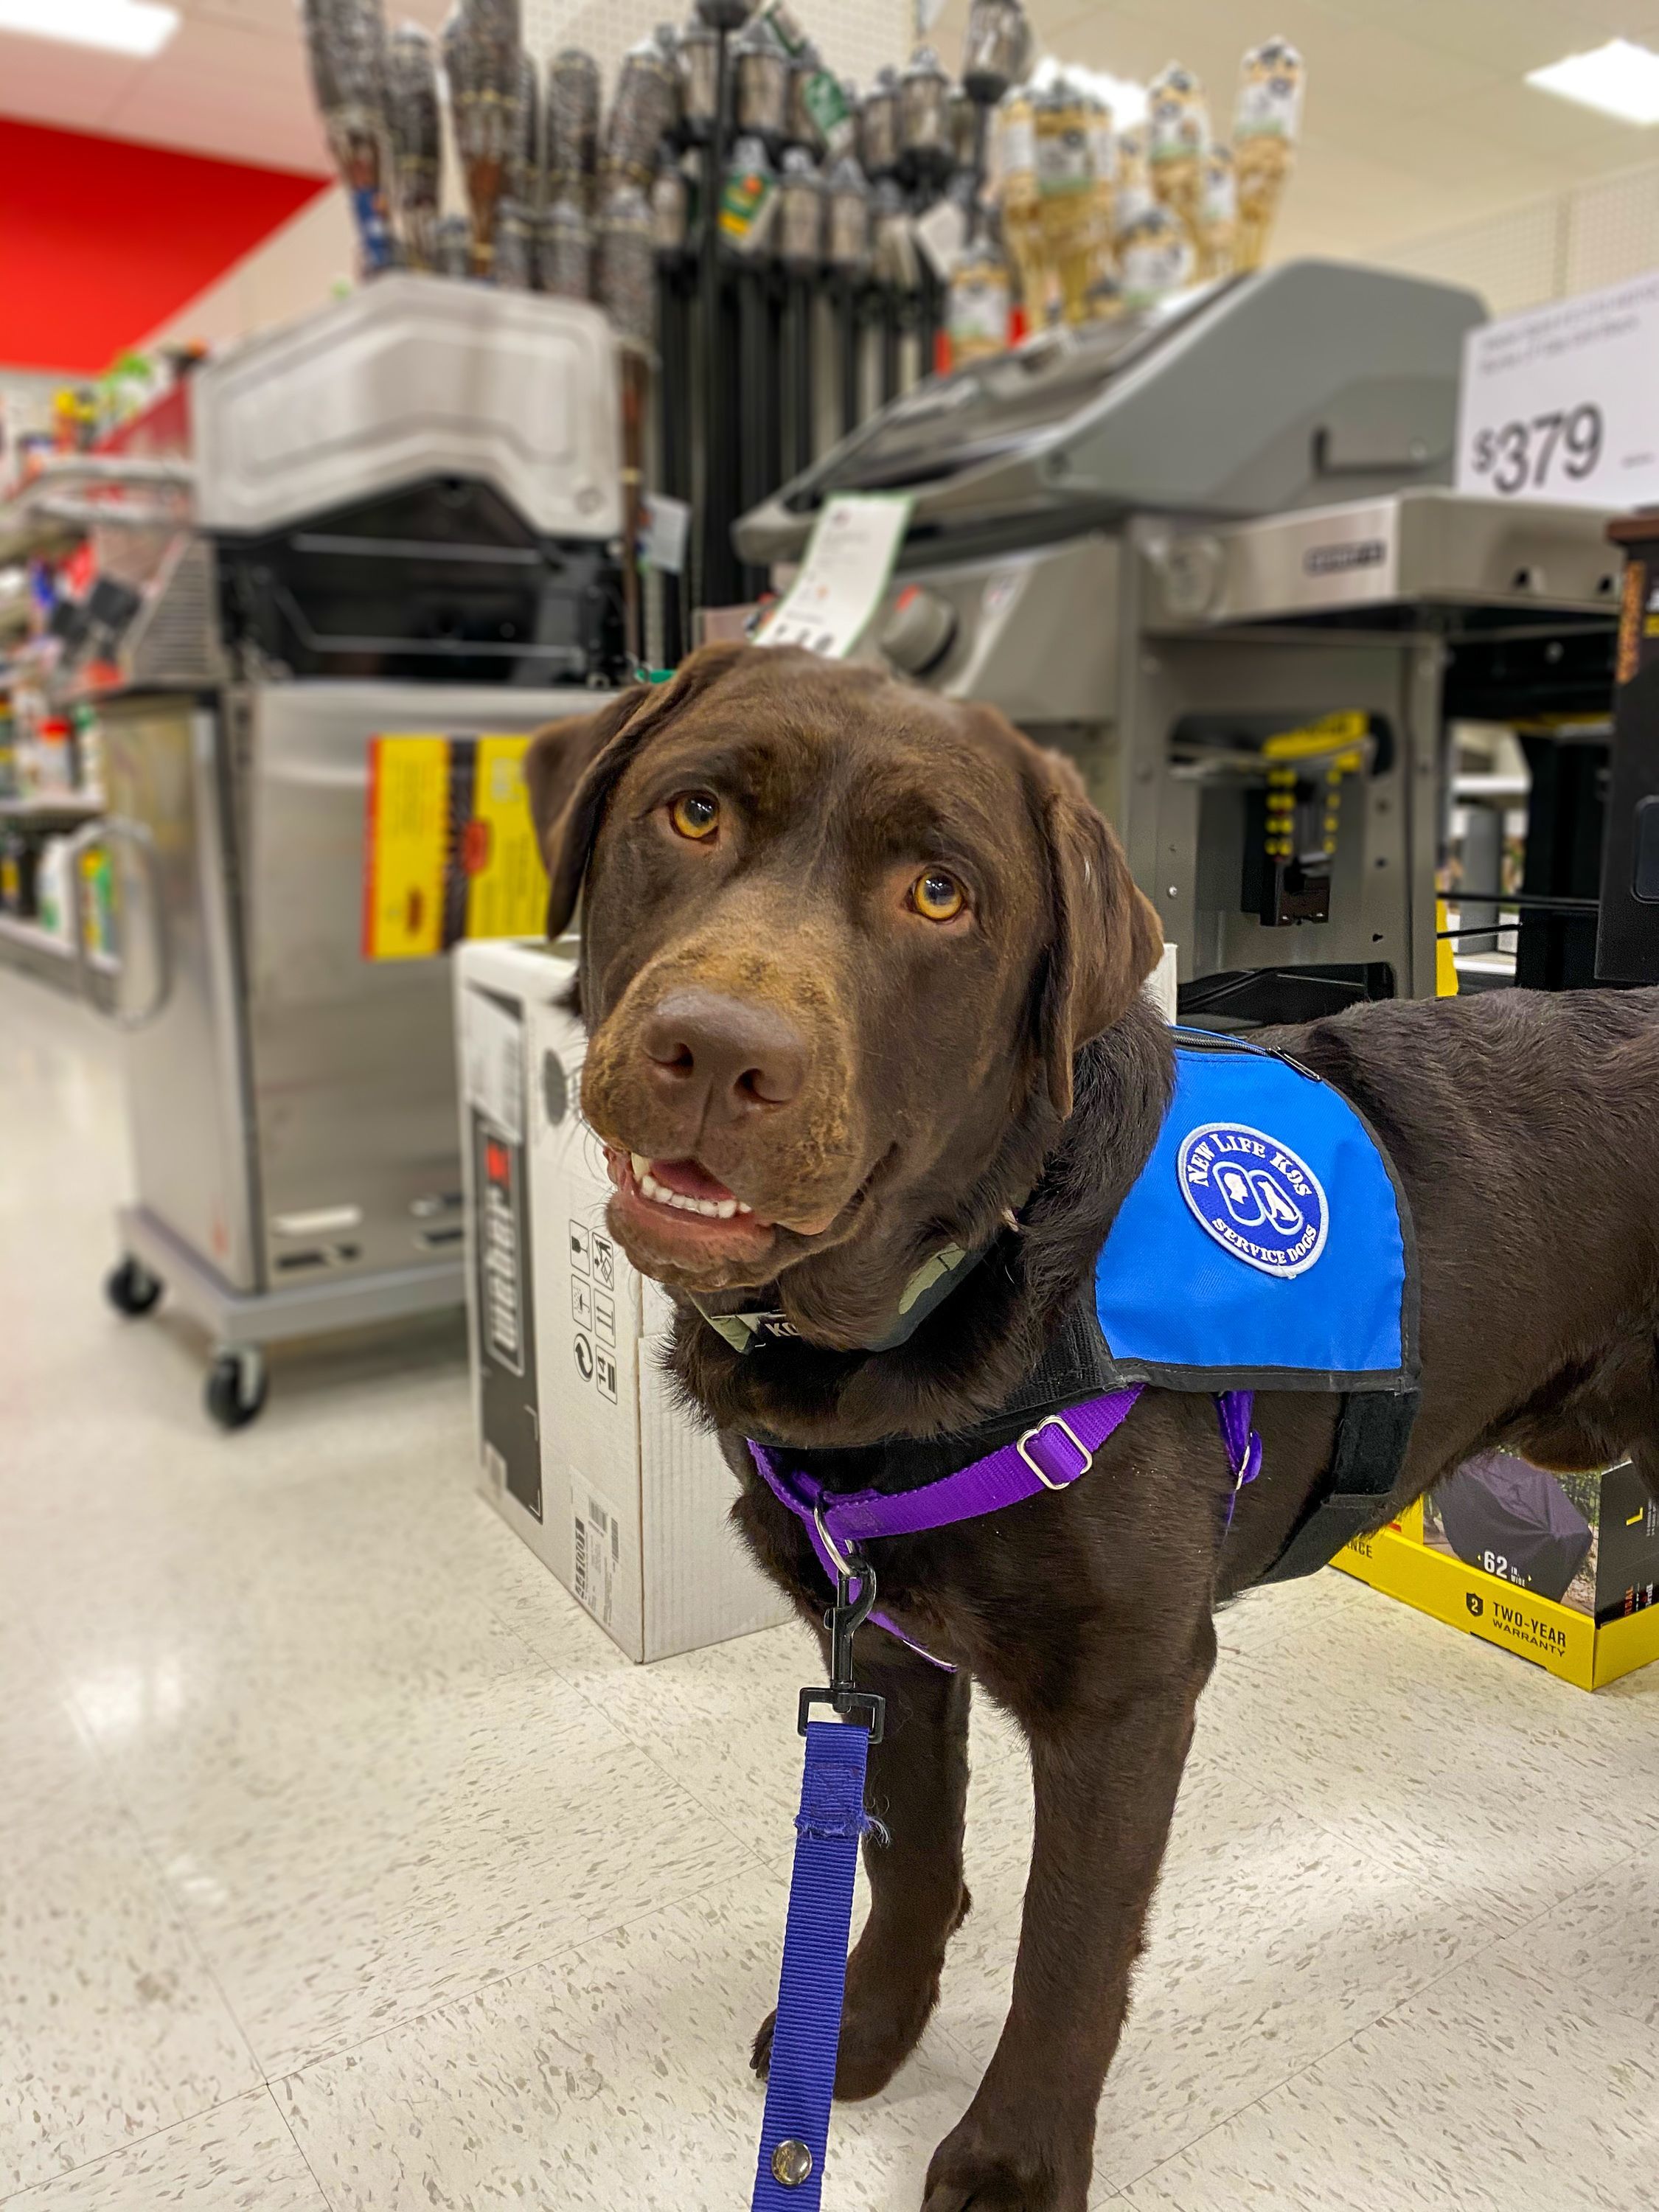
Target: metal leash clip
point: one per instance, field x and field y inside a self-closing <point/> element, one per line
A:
<point x="843" y="1621"/>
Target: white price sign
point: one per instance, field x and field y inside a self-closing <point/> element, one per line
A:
<point x="1562" y="402"/>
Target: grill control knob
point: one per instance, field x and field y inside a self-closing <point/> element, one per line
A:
<point x="920" y="631"/>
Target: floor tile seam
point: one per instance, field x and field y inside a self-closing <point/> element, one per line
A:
<point x="643" y="1742"/>
<point x="563" y="1954"/>
<point x="642" y="1746"/>
<point x="1575" y="1884"/>
<point x="1364" y="2027"/>
<point x="132" y="2143"/>
<point x="1249" y="2105"/>
<point x="1384" y="2013"/>
<point x="125" y="1814"/>
<point x="1553" y="1980"/>
<point x="561" y="1675"/>
<point x="172" y="1904"/>
<point x="1368" y="1848"/>
<point x="287" y="2126"/>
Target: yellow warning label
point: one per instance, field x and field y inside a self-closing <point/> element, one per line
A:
<point x="451" y="850"/>
<point x="408" y="839"/>
<point x="507" y="883"/>
<point x="1445" y="958"/>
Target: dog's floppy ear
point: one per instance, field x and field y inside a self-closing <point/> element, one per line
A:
<point x="572" y="766"/>
<point x="1106" y="937"/>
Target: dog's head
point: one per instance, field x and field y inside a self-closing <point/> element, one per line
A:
<point x="841" y="939"/>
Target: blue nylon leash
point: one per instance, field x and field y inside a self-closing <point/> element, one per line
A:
<point x="812" y="1986"/>
<point x="789" y="2173"/>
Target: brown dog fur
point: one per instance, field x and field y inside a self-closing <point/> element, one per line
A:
<point x="945" y="1078"/>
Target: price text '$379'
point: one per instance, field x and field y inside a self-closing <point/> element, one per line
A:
<point x="1526" y="456"/>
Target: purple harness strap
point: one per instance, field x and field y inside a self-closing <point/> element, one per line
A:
<point x="1050" y="1455"/>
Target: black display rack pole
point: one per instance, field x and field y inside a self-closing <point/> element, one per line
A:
<point x="676" y="281"/>
<point x="803" y="334"/>
<point x="889" y="310"/>
<point x="718" y="583"/>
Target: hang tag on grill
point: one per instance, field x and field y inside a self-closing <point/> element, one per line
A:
<point x="844" y="577"/>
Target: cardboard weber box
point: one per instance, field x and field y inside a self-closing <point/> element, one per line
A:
<point x="582" y="1448"/>
<point x="1562" y="1569"/>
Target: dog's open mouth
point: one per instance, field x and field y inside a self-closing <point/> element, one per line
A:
<point x="678" y="1210"/>
<point x="687" y="1186"/>
<point x="681" y="1224"/>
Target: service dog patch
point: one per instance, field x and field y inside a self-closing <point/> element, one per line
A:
<point x="1254" y="1196"/>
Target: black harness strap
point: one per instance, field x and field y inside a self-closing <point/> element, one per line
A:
<point x="1373" y="1430"/>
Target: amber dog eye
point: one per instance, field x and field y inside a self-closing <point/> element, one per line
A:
<point x="695" y="814"/>
<point x="938" y="896"/>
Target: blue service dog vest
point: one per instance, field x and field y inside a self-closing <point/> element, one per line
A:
<point x="1265" y="1243"/>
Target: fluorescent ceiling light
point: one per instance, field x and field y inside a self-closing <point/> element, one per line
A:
<point x="1618" y="79"/>
<point x="119" y="27"/>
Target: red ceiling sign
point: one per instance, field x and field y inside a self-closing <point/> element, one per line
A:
<point x="100" y="239"/>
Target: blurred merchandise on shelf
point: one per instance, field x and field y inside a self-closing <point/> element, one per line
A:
<point x="346" y="47"/>
<point x="52" y="880"/>
<point x="20" y="857"/>
<point x="414" y="127"/>
<point x="1266" y="123"/>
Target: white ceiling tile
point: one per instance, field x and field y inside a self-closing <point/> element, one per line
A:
<point x="237" y="118"/>
<point x="1625" y="19"/>
<point x="205" y="51"/>
<point x="1357" y="66"/>
<point x="1538" y="126"/>
<point x="43" y="80"/>
<point x="1509" y="36"/>
<point x="276" y="16"/>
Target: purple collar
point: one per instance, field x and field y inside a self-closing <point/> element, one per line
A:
<point x="1051" y="1455"/>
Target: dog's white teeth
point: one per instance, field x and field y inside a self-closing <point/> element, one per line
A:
<point x="716" y="1209"/>
<point x="741" y="1208"/>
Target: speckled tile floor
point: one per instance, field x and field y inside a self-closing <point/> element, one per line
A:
<point x="345" y="1867"/>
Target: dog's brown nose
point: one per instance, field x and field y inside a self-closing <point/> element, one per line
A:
<point x="721" y="1058"/>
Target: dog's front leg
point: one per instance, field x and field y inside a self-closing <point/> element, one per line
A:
<point x="1107" y="1766"/>
<point x="917" y="1789"/>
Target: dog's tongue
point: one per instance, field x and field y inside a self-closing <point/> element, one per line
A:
<point x="689" y="1179"/>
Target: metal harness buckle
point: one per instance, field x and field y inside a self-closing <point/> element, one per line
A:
<point x="1085" y="1457"/>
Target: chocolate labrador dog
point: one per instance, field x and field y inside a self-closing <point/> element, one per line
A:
<point x="861" y="969"/>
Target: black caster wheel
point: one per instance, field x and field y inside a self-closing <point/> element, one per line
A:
<point x="131" y="1289"/>
<point x="235" y="1388"/>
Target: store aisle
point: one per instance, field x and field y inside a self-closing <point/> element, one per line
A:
<point x="344" y="1867"/>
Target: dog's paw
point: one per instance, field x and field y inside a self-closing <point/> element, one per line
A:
<point x="967" y="2175"/>
<point x="888" y="2001"/>
<point x="878" y="2031"/>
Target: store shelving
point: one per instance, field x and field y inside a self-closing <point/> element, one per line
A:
<point x="69" y="807"/>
